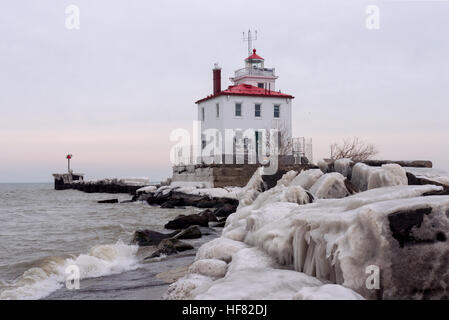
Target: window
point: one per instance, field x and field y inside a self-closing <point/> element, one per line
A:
<point x="217" y="109"/>
<point x="260" y="85"/>
<point x="202" y="114"/>
<point x="277" y="111"/>
<point x="238" y="109"/>
<point x="257" y="110"/>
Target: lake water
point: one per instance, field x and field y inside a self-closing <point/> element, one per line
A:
<point x="43" y="232"/>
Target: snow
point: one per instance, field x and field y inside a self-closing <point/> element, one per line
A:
<point x="327" y="292"/>
<point x="365" y="177"/>
<point x="307" y="178"/>
<point x="330" y="186"/>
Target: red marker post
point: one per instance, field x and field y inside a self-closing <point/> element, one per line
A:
<point x="69" y="156"/>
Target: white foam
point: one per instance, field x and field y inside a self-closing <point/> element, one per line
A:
<point x="102" y="260"/>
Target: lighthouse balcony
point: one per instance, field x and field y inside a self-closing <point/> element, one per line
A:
<point x="254" y="71"/>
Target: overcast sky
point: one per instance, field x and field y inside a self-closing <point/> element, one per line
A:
<point x="111" y="92"/>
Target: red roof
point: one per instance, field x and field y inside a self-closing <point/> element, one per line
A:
<point x="247" y="90"/>
<point x="254" y="56"/>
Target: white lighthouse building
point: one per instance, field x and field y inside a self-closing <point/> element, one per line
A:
<point x="252" y="102"/>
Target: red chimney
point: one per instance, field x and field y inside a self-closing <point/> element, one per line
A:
<point x="217" y="79"/>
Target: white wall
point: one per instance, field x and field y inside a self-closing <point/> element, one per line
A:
<point x="228" y="120"/>
<point x="269" y="82"/>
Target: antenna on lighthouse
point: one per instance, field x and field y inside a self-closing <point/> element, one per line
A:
<point x="250" y="38"/>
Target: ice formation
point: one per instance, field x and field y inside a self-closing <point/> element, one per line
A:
<point x="278" y="245"/>
<point x="220" y="248"/>
<point x="439" y="176"/>
<point x="307" y="178"/>
<point x="148" y="189"/>
<point x="344" y="166"/>
<point x="365" y="177"/>
<point x="213" y="268"/>
<point x="330" y="186"/>
<point x="327" y="292"/>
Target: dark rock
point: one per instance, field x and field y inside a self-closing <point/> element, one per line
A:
<point x="225" y="210"/>
<point x="186" y="221"/>
<point x="206" y="203"/>
<point x="271" y="180"/>
<point x="192" y="232"/>
<point x="108" y="201"/>
<point x="209" y="214"/>
<point x="181" y="246"/>
<point x="150" y="237"/>
<point x="407" y="163"/>
<point x="167" y="247"/>
<point x="172" y="203"/>
<point x="402" y="222"/>
<point x="311" y="197"/>
<point x="188" y="199"/>
<point x="222" y="201"/>
<point x="351" y="188"/>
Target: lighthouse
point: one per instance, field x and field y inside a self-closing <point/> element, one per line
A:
<point x="250" y="103"/>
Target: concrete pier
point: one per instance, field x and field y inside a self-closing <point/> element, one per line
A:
<point x="76" y="181"/>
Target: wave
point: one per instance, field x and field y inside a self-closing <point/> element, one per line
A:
<point x="49" y="274"/>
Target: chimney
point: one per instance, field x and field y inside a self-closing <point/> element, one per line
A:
<point x="217" y="78"/>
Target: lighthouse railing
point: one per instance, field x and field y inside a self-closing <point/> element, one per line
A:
<point x="264" y="72"/>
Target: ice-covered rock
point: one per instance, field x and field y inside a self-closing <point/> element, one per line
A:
<point x="365" y="177"/>
<point x="147" y="189"/>
<point x="183" y="288"/>
<point x="436" y="175"/>
<point x="307" y="178"/>
<point x="257" y="284"/>
<point x="213" y="268"/>
<point x="251" y="258"/>
<point x="330" y="186"/>
<point x="344" y="166"/>
<point x="287" y="178"/>
<point x="220" y="248"/>
<point x="336" y="239"/>
<point x="327" y="292"/>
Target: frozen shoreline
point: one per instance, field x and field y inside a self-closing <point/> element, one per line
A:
<point x="278" y="245"/>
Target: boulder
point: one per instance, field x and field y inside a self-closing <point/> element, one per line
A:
<point x="225" y="210"/>
<point x="209" y="214"/>
<point x="170" y="247"/>
<point x="150" y="237"/>
<point x="187" y="221"/>
<point x="172" y="203"/>
<point x="192" y="232"/>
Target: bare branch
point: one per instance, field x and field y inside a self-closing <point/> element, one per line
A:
<point x="354" y="149"/>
